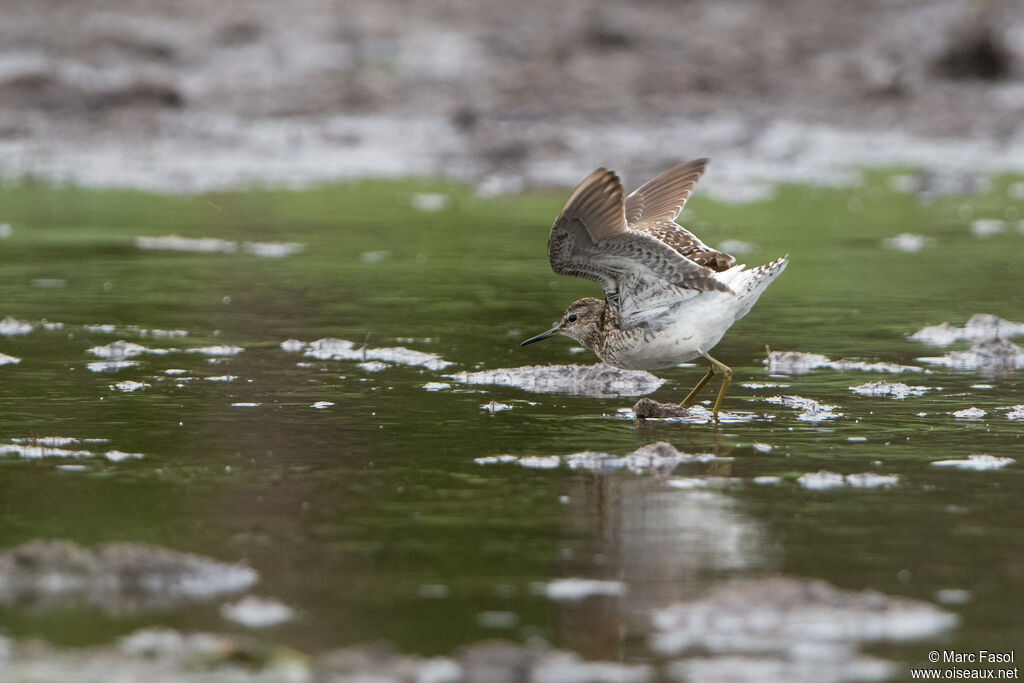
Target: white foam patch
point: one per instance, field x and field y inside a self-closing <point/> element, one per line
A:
<point x="811" y="410"/>
<point x="976" y="462"/>
<point x="798" y="363"/>
<point x="120" y="456"/>
<point x="330" y="348"/>
<point x="373" y="366"/>
<point x="896" y="390"/>
<point x="437" y="386"/>
<point x="8" y="360"/>
<point x="111" y="365"/>
<point x="577" y="590"/>
<point x="218" y="350"/>
<point x="321" y="405"/>
<point x="971" y="413"/>
<point x="495" y="407"/>
<point x="128" y="386"/>
<point x="256" y="612"/>
<point x="991" y="354"/>
<point x="907" y="242"/>
<point x="824" y="480"/>
<point x="12" y="327"/>
<point x="600" y="380"/>
<point x="979" y="327"/>
<point x="292" y="345"/>
<point x="246" y="405"/>
<point x="222" y="378"/>
<point x="1016" y="413"/>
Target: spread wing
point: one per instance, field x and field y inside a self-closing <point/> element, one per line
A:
<point x="654" y="206"/>
<point x="591" y="239"/>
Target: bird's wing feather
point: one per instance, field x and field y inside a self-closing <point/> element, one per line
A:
<point x="686" y="243"/>
<point x="591" y="240"/>
<point x="663" y="197"/>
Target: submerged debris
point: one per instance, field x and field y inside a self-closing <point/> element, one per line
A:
<point x="330" y="348"/>
<point x="979" y="327"/>
<point x="824" y="480"/>
<point x="896" y="390"/>
<point x="11" y="327"/>
<point x="648" y="408"/>
<point x="798" y="363"/>
<point x="599" y="381"/>
<point x="990" y="356"/>
<point x="976" y="462"/>
<point x="118" y="578"/>
<point x="812" y="410"/>
<point x="796" y="629"/>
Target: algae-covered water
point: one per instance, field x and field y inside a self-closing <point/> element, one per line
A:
<point x="356" y="492"/>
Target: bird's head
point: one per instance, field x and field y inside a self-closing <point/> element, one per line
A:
<point x="582" y="322"/>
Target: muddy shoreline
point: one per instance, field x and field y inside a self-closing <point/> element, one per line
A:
<point x="192" y="97"/>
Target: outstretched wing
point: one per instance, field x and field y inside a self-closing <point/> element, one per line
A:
<point x="664" y="196"/>
<point x="591" y="239"/>
<point x="653" y="207"/>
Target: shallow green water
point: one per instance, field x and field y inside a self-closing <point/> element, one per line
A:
<point x="347" y="512"/>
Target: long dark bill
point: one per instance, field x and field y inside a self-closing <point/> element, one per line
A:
<point x="543" y="335"/>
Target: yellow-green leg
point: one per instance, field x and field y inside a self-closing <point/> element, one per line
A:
<point x="726" y="379"/>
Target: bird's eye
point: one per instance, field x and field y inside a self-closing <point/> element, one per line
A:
<point x="571" y="318"/>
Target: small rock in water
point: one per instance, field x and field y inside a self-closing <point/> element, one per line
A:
<point x="254" y="612"/>
<point x="976" y="462"/>
<point x="646" y="408"/>
<point x="896" y="390"/>
<point x="599" y="380"/>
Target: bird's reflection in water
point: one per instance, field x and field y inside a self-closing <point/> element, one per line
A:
<point x="665" y="544"/>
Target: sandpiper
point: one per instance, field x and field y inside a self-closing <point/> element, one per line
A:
<point x="668" y="297"/>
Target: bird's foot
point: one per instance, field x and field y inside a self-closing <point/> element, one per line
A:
<point x="646" y="407"/>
